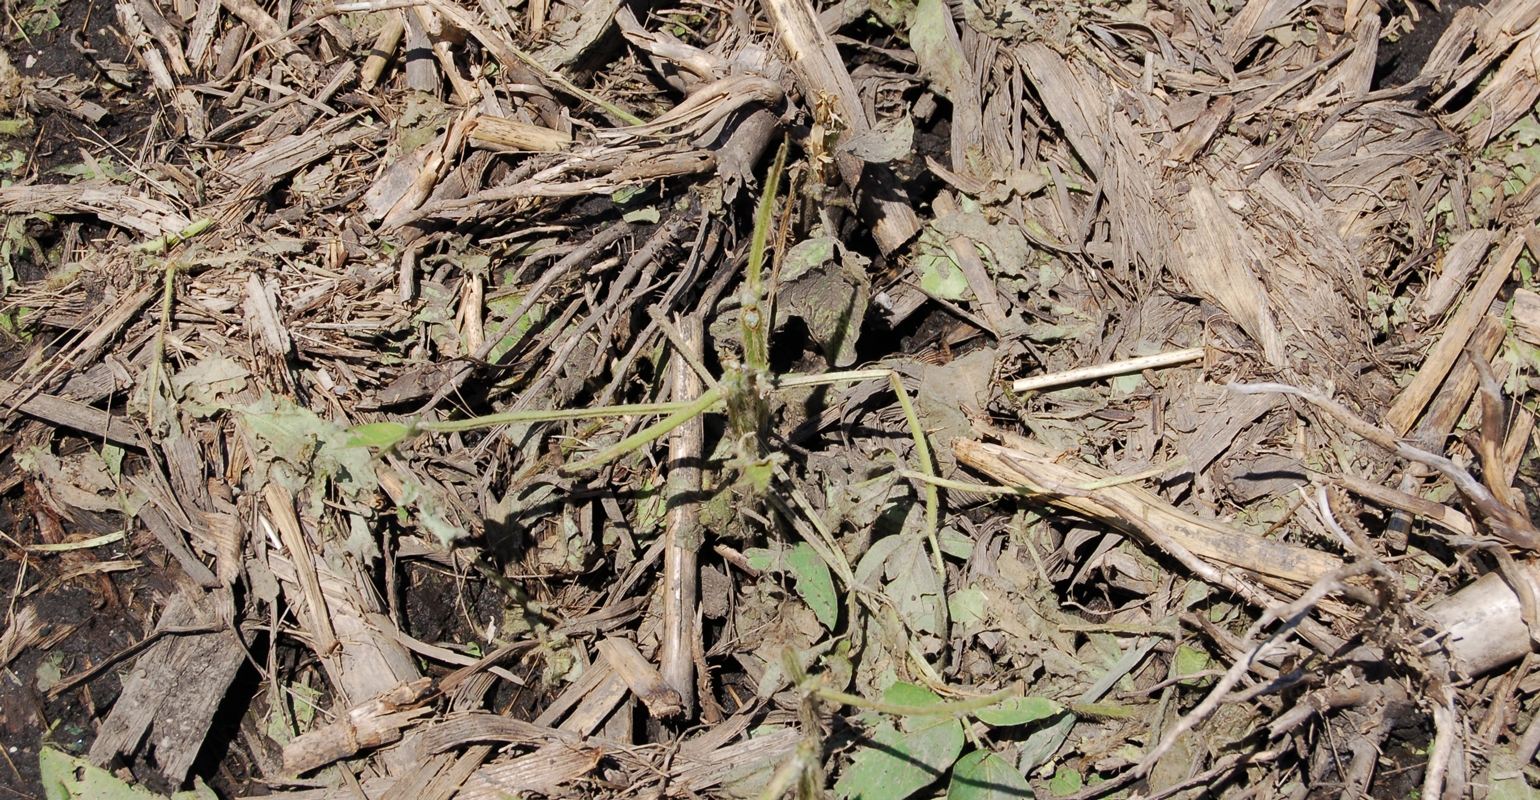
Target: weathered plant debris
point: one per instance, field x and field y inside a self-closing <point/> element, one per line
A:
<point x="450" y="400"/>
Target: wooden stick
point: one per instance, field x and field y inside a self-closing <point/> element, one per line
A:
<point x="681" y="569"/>
<point x="640" y="677"/>
<point x="1108" y="369"/>
<point x="1403" y="412"/>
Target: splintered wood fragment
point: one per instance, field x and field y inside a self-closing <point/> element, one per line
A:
<point x="280" y="506"/>
<point x="164" y="532"/>
<point x="980" y="282"/>
<point x="609" y="691"/>
<point x="154" y="63"/>
<point x="201" y="34"/>
<point x="1124" y="367"/>
<point x="822" y="73"/>
<point x="270" y="34"/>
<point x="641" y="677"/>
<point x="458" y="731"/>
<point x="262" y="316"/>
<point x="504" y="135"/>
<point x="1410" y="403"/>
<point x="1203" y="129"/>
<point x="696" y="773"/>
<point x="278" y="158"/>
<point x="118" y="205"/>
<point x="367" y="725"/>
<point x="24" y="631"/>
<point x="1517" y="443"/>
<point x="170" y="696"/>
<point x="165" y="35"/>
<point x="596" y="17"/>
<point x="369" y="661"/>
<point x="539" y="772"/>
<point x="1459" y="263"/>
<point x="1208" y="540"/>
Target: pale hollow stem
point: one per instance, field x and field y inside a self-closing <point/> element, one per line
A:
<point x="681" y="569"/>
<point x="1125" y="367"/>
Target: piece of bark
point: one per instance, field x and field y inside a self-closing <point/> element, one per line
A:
<point x="696" y="773"/>
<point x="367" y="725"/>
<point x="24" y="631"/>
<point x="597" y="705"/>
<point x="1410" y="403"/>
<point x="595" y="18"/>
<point x="1214" y="266"/>
<point x="200" y="36"/>
<point x="172" y="692"/>
<point x="1215" y="420"/>
<point x="71" y="414"/>
<point x="115" y="204"/>
<point x="458" y="731"/>
<point x="1203" y="129"/>
<point x="644" y="680"/>
<point x="369" y="661"/>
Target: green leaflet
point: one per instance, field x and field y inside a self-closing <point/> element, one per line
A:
<point x="982" y="775"/>
<point x="1019" y="711"/>
<point x="899" y="763"/>
<point x="814" y="583"/>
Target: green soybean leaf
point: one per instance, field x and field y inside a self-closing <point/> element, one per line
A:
<point x="899" y="763"/>
<point x="1019" y="711"/>
<point x="982" y="775"/>
<point x="814" y="583"/>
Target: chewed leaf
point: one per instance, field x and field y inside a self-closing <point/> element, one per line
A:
<point x="1019" y="711"/>
<point x="378" y="434"/>
<point x="814" y="583"/>
<point x="982" y="775"/>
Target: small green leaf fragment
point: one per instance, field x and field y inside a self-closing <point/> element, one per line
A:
<point x="968" y="607"/>
<point x="378" y="434"/>
<point x="982" y="775"/>
<point x="1189" y="660"/>
<point x="1019" y="711"/>
<point x="1065" y="781"/>
<point x="814" y="583"/>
